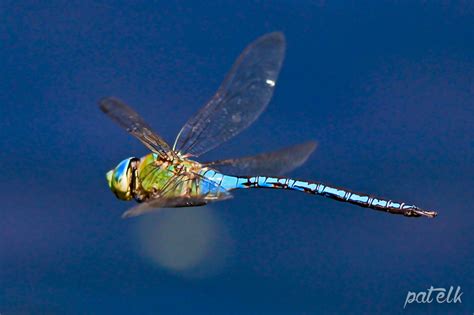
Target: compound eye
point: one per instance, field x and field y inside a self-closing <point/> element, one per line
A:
<point x="121" y="179"/>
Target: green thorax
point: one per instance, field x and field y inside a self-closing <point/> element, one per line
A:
<point x="156" y="175"/>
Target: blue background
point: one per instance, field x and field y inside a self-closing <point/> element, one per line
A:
<point x="385" y="88"/>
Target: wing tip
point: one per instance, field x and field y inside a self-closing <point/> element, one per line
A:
<point x="129" y="214"/>
<point x="276" y="39"/>
<point x="107" y="102"/>
<point x="311" y="146"/>
<point x="276" y="36"/>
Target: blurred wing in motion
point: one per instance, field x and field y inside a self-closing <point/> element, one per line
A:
<point x="154" y="205"/>
<point x="131" y="121"/>
<point x="241" y="98"/>
<point x="211" y="192"/>
<point x="271" y="163"/>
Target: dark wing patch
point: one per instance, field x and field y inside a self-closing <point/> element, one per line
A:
<point x="133" y="123"/>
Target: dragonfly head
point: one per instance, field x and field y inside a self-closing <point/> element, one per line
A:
<point x="121" y="179"/>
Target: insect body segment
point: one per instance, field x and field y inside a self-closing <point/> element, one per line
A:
<point x="315" y="188"/>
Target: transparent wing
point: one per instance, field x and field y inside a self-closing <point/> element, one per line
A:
<point x="241" y="98"/>
<point x="131" y="121"/>
<point x="165" y="199"/>
<point x="154" y="205"/>
<point x="271" y="163"/>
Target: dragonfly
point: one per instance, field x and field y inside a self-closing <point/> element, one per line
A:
<point x="170" y="176"/>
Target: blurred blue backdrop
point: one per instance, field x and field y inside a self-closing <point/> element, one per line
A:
<point x="386" y="88"/>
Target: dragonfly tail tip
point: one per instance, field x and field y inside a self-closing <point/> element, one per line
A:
<point x="428" y="214"/>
